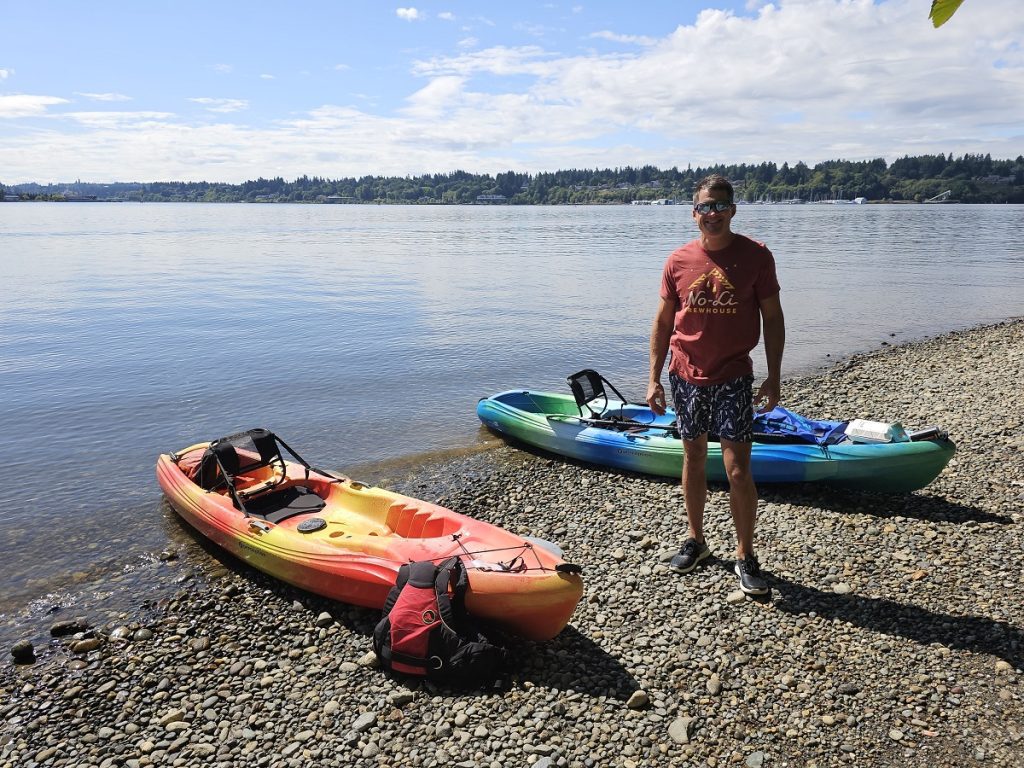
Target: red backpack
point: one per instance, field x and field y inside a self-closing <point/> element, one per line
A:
<point x="426" y="632"/>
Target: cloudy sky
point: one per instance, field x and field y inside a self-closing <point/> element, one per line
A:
<point x="229" y="91"/>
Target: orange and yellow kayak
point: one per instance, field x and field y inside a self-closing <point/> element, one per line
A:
<point x="346" y="541"/>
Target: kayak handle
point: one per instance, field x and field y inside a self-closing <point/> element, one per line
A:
<point x="928" y="433"/>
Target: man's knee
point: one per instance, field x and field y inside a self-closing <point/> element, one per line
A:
<point x="695" y="450"/>
<point x="736" y="457"/>
<point x="739" y="474"/>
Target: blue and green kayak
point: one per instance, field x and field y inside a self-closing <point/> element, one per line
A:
<point x="630" y="436"/>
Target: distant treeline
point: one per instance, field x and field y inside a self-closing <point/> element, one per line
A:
<point x="967" y="179"/>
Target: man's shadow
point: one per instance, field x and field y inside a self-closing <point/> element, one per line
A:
<point x="977" y="634"/>
<point x="920" y="505"/>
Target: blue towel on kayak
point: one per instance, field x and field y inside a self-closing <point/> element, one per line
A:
<point x="785" y="423"/>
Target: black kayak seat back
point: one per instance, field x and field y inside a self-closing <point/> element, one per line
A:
<point x="235" y="455"/>
<point x="228" y="458"/>
<point x="247" y="451"/>
<point x="587" y="387"/>
<point x="209" y="476"/>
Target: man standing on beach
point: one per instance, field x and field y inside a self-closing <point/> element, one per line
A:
<point x="716" y="291"/>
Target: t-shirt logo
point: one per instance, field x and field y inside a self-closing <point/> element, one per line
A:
<point x="711" y="293"/>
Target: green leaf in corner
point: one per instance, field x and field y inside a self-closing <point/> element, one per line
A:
<point x="942" y="10"/>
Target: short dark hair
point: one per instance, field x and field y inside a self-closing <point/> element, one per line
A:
<point x="712" y="183"/>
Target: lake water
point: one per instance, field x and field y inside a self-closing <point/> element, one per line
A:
<point x="366" y="334"/>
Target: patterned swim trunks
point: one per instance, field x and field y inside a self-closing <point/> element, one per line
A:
<point x="725" y="410"/>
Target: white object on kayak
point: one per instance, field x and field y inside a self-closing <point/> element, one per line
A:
<point x="864" y="431"/>
<point x="550" y="546"/>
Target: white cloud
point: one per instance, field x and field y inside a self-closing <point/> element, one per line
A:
<point x="105" y="96"/>
<point x="801" y="80"/>
<point x="434" y="99"/>
<point x="266" y="77"/>
<point x="446" y="16"/>
<point x="224" y="69"/>
<point x="632" y="39"/>
<point x="5" y="73"/>
<point x="221" y="105"/>
<point x="408" y="14"/>
<point x="534" y="30"/>
<point x="27" y="105"/>
<point x="529" y="60"/>
<point x="829" y="63"/>
<point x="120" y="120"/>
<point x="468" y="42"/>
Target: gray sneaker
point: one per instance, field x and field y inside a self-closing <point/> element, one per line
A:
<point x="693" y="552"/>
<point x="751" y="580"/>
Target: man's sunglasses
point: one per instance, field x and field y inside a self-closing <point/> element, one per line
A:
<point x="718" y="206"/>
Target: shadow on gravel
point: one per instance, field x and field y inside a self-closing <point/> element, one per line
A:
<point x="880" y="505"/>
<point x="574" y="661"/>
<point x="969" y="633"/>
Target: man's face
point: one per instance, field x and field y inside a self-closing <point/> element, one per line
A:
<point x="714" y="223"/>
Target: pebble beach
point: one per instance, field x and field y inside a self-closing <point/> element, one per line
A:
<point x="893" y="636"/>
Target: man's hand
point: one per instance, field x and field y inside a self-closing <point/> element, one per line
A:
<point x="768" y="395"/>
<point x="656" y="398"/>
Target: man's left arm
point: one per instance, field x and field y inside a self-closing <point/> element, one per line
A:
<point x="774" y="325"/>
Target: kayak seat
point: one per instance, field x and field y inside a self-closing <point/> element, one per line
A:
<point x="588" y="387"/>
<point x="279" y="505"/>
<point x="418" y="523"/>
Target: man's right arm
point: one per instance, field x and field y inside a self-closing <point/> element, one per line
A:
<point x="661" y="333"/>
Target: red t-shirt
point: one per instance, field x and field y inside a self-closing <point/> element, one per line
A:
<point x="717" y="295"/>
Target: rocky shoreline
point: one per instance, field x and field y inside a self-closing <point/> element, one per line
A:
<point x="894" y="634"/>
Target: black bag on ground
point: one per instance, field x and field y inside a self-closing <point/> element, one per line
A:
<point x="426" y="632"/>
